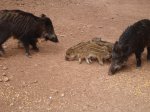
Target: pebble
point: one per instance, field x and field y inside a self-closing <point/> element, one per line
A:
<point x="4" y="74"/>
<point x="4" y="68"/>
<point x="50" y="97"/>
<point x="17" y="95"/>
<point x="20" y="107"/>
<point x="11" y="104"/>
<point x="62" y="95"/>
<point x="24" y="84"/>
<point x="5" y="79"/>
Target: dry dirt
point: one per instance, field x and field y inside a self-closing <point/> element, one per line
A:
<point x="48" y="83"/>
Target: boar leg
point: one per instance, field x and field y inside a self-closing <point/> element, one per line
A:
<point x="26" y="46"/>
<point x="138" y="57"/>
<point x="26" y="43"/>
<point x="107" y="57"/>
<point x="80" y="60"/>
<point x="148" y="53"/>
<point x="100" y="60"/>
<point x="34" y="46"/>
<point x="87" y="60"/>
<point x="90" y="60"/>
<point x="3" y="37"/>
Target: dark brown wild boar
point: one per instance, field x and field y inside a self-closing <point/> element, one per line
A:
<point x="25" y="27"/>
<point x="133" y="40"/>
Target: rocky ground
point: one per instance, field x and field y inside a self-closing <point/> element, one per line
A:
<point x="48" y="83"/>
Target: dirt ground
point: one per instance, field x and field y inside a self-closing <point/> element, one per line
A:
<point x="48" y="83"/>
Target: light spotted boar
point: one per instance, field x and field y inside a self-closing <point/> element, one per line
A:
<point x="89" y="51"/>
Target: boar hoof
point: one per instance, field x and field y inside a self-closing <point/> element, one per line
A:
<point x="138" y="67"/>
<point x="88" y="61"/>
<point x="28" y="55"/>
<point x="101" y="63"/>
<point x="80" y="61"/>
<point x="110" y="73"/>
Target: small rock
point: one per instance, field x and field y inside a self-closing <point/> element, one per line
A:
<point x="4" y="74"/>
<point x="5" y="79"/>
<point x="35" y="81"/>
<point x="11" y="104"/>
<point x="50" y="97"/>
<point x="4" y="68"/>
<point x="20" y="107"/>
<point x="62" y="95"/>
<point x="24" y="84"/>
<point x="17" y="95"/>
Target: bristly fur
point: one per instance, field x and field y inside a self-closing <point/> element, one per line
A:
<point x="25" y="27"/>
<point x="133" y="40"/>
<point x="137" y="34"/>
<point x="22" y="21"/>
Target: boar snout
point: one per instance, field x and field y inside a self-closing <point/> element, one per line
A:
<point x="53" y="38"/>
<point x="112" y="70"/>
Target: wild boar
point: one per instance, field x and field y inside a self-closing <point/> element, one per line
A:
<point x="133" y="40"/>
<point x="25" y="27"/>
<point x="88" y="51"/>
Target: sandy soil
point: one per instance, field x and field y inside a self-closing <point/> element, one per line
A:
<point x="48" y="83"/>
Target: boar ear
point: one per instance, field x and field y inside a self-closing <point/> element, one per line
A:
<point x="116" y="44"/>
<point x="43" y="16"/>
